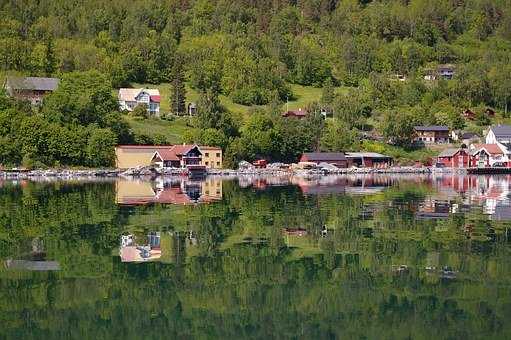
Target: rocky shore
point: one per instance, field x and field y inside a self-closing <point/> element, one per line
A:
<point x="276" y="169"/>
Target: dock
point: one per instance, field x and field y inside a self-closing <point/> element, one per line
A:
<point x="489" y="171"/>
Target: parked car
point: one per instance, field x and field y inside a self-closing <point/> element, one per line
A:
<point x="499" y="165"/>
<point x="260" y="163"/>
<point x="439" y="165"/>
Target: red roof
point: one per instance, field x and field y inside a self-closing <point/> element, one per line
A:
<point x="144" y="146"/>
<point x="295" y="113"/>
<point x="181" y="149"/>
<point x="493" y="149"/>
<point x="155" y="99"/>
<point x="167" y="155"/>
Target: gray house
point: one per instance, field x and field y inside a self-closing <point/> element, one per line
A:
<point x="32" y="89"/>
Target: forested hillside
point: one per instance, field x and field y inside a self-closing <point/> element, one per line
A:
<point x="252" y="51"/>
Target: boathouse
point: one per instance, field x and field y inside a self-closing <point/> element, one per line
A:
<point x="454" y="158"/>
<point x="335" y="158"/>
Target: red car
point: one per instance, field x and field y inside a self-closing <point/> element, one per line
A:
<point x="260" y="163"/>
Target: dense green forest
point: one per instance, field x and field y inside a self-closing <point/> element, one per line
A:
<point x="252" y="51"/>
<point x="244" y="277"/>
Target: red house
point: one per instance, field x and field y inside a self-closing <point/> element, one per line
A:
<point x="296" y="113"/>
<point x="486" y="155"/>
<point x="454" y="158"/>
<point x="469" y="114"/>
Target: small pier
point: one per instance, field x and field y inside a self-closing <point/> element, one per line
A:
<point x="489" y="171"/>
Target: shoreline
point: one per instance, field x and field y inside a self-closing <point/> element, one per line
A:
<point x="227" y="173"/>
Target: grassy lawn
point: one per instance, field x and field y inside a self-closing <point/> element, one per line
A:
<point x="303" y="96"/>
<point x="172" y="130"/>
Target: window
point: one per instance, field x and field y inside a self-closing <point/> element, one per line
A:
<point x="206" y="154"/>
<point x="217" y="163"/>
<point x="218" y="154"/>
<point x="207" y="163"/>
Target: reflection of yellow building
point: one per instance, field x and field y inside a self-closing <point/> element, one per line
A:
<point x="211" y="157"/>
<point x="133" y="192"/>
<point x="139" y="192"/>
<point x="212" y="189"/>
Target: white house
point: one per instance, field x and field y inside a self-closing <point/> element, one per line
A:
<point x="130" y="98"/>
<point x="499" y="134"/>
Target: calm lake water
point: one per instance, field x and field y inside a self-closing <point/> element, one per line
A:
<point x="366" y="257"/>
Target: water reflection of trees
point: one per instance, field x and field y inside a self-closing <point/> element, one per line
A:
<point x="243" y="277"/>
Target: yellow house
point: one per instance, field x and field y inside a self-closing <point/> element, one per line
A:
<point x="211" y="157"/>
<point x="132" y="156"/>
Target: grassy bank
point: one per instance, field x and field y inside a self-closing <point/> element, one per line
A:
<point x="172" y="130"/>
<point x="303" y="95"/>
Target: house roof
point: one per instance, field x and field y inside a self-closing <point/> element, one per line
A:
<point x="469" y="135"/>
<point x="182" y="149"/>
<point x="493" y="149"/>
<point x="130" y="95"/>
<point x="33" y="83"/>
<point x="431" y="128"/>
<point x="148" y="147"/>
<point x="166" y="155"/>
<point x="365" y="155"/>
<point x="296" y="113"/>
<point x="206" y="147"/>
<point x="173" y="153"/>
<point x="450" y="152"/>
<point x="324" y="156"/>
<point x="501" y="130"/>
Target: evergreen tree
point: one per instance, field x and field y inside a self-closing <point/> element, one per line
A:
<point x="178" y="96"/>
<point x="327" y="95"/>
<point x="50" y="64"/>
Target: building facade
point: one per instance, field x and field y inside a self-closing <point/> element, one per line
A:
<point x="335" y="158"/>
<point x="454" y="158"/>
<point x="132" y="156"/>
<point x="178" y="156"/>
<point x="32" y="89"/>
<point x="368" y="160"/>
<point x="211" y="157"/>
<point x="433" y="134"/>
<point x="488" y="155"/>
<point x="131" y="98"/>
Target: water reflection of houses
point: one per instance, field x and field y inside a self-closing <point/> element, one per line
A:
<point x="33" y="260"/>
<point x="140" y="249"/>
<point x="343" y="184"/>
<point x="158" y="246"/>
<point x="492" y="193"/>
<point x="168" y="191"/>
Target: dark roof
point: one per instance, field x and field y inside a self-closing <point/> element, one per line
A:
<point x="366" y="155"/>
<point x="450" y="152"/>
<point x="33" y="83"/>
<point x="296" y="113"/>
<point x="501" y="130"/>
<point x="324" y="156"/>
<point x="432" y="128"/>
<point x="468" y="135"/>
